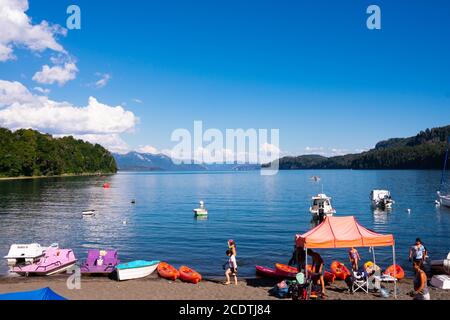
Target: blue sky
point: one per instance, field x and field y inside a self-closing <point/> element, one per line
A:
<point x="309" y="68"/>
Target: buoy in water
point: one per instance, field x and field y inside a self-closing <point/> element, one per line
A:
<point x="408" y="210"/>
<point x="133" y="201"/>
<point x="106" y="186"/>
<point x="124" y="222"/>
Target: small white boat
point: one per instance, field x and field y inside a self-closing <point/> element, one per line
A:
<point x="22" y="254"/>
<point x="441" y="266"/>
<point x="321" y="206"/>
<point x="201" y="211"/>
<point x="444" y="200"/>
<point x="88" y="213"/>
<point x="136" y="269"/>
<point x="441" y="281"/>
<point x="381" y="199"/>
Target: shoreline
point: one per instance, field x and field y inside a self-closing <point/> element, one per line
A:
<point x="156" y="288"/>
<point x="68" y="175"/>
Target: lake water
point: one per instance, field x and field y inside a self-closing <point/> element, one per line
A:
<point x="261" y="213"/>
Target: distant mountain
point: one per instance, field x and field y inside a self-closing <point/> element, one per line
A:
<point x="426" y="150"/>
<point x="135" y="161"/>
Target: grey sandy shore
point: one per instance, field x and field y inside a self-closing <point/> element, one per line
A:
<point x="155" y="288"/>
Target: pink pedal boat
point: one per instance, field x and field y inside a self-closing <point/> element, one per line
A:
<point x="54" y="261"/>
<point x="100" y="262"/>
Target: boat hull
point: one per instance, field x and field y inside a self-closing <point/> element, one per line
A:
<point x="135" y="273"/>
<point x="56" y="270"/>
<point x="444" y="200"/>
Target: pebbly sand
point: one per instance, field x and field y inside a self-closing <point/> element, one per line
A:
<point x="155" y="288"/>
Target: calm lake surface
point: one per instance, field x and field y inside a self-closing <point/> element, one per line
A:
<point x="261" y="213"/>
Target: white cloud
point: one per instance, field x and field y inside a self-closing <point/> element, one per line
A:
<point x="17" y="30"/>
<point x="44" y="91"/>
<point x="96" y="122"/>
<point x="58" y="74"/>
<point x="147" y="149"/>
<point x="105" y="77"/>
<point x="137" y="100"/>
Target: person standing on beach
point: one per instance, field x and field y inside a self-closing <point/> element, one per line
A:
<point x="354" y="257"/>
<point x="418" y="253"/>
<point x="232" y="268"/>
<point x="232" y="247"/>
<point x="421" y="291"/>
<point x="318" y="268"/>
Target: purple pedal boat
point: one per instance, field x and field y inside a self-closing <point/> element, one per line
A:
<point x="100" y="262"/>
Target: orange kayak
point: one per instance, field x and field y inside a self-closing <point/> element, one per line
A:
<point x="339" y="270"/>
<point x="399" y="273"/>
<point x="189" y="275"/>
<point x="168" y="272"/>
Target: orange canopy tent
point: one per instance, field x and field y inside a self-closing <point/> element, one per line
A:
<point x="342" y="232"/>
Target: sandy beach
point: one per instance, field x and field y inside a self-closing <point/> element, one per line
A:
<point x="155" y="288"/>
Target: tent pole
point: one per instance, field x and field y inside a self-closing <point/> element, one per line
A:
<point x="373" y="255"/>
<point x="395" y="270"/>
<point x="306" y="262"/>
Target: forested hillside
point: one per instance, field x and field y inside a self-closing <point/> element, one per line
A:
<point x="30" y="153"/>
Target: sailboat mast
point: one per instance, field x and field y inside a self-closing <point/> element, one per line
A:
<point x="445" y="162"/>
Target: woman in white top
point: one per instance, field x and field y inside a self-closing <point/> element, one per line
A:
<point x="232" y="268"/>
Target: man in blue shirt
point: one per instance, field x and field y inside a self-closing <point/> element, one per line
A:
<point x="418" y="253"/>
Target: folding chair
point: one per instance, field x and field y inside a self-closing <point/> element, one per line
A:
<point x="360" y="281"/>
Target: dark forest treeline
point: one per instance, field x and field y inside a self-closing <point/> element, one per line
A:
<point x="30" y="153"/>
<point x="426" y="150"/>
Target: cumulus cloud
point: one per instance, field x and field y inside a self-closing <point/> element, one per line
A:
<point x="96" y="122"/>
<point x="42" y="90"/>
<point x="17" y="30"/>
<point x="56" y="74"/>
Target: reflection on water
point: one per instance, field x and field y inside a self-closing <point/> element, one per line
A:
<point x="262" y="213"/>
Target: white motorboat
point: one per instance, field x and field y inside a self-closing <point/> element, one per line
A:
<point x="201" y="211"/>
<point x="88" y="213"/>
<point x="321" y="206"/>
<point x="441" y="281"/>
<point x="381" y="199"/>
<point x="444" y="200"/>
<point x="441" y="266"/>
<point x="136" y="269"/>
<point x="22" y="254"/>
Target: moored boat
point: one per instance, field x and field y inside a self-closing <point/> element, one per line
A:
<point x="22" y="254"/>
<point x="100" y="262"/>
<point x="381" y="199"/>
<point x="321" y="207"/>
<point x="201" y="211"/>
<point x="266" y="272"/>
<point x="54" y="260"/>
<point x="444" y="196"/>
<point x="88" y="213"/>
<point x="189" y="275"/>
<point x="441" y="266"/>
<point x="136" y="269"/>
<point x="167" y="271"/>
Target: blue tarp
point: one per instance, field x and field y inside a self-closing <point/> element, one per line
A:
<point x="41" y="294"/>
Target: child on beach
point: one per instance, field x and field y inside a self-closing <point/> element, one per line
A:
<point x="232" y="246"/>
<point x="232" y="268"/>
<point x="354" y="257"/>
